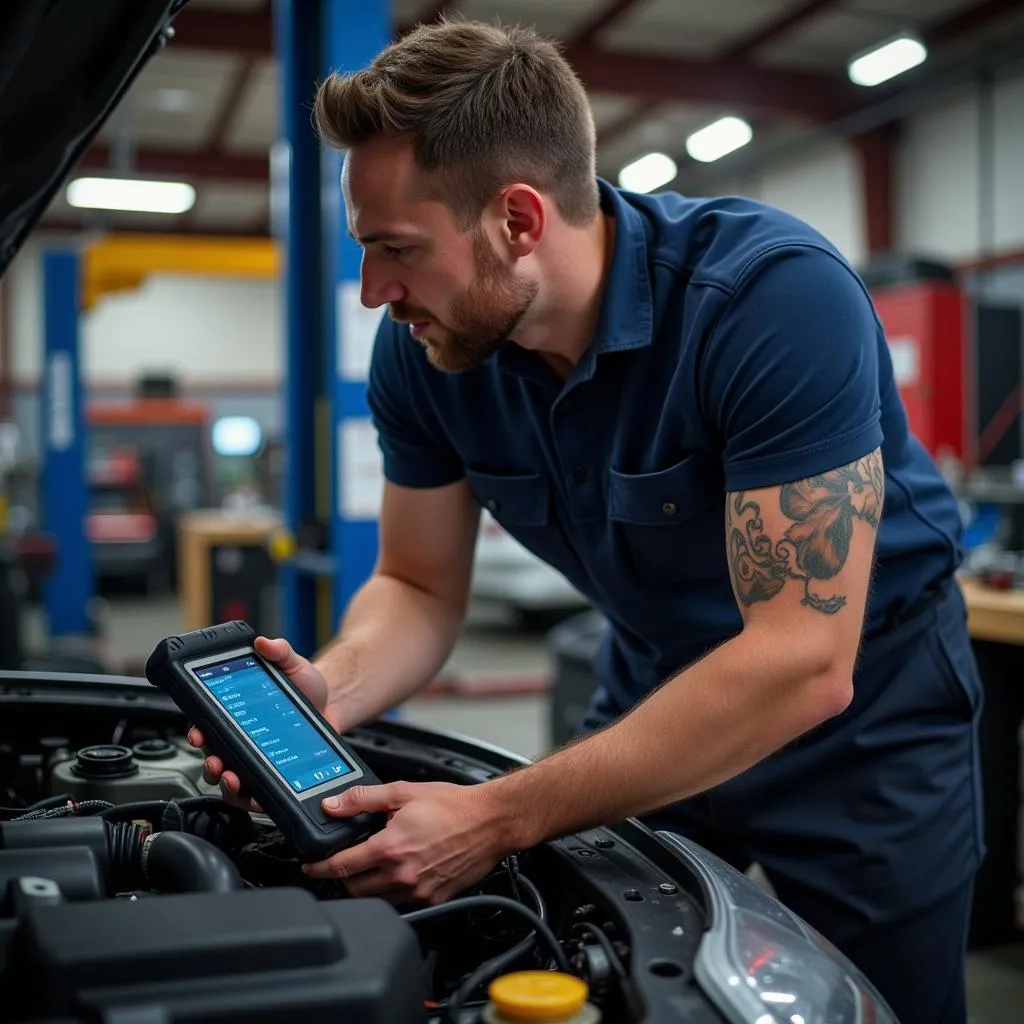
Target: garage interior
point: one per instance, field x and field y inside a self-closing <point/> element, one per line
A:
<point x="195" y="509"/>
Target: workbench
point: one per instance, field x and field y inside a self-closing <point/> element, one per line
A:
<point x="996" y="615"/>
<point x="225" y="568"/>
<point x="995" y="620"/>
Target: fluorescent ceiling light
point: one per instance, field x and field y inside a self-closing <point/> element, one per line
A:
<point x="718" y="139"/>
<point x="174" y="100"/>
<point x="887" y="61"/>
<point x="131" y="194"/>
<point x="647" y="173"/>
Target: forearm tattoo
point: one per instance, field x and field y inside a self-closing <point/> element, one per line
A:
<point x="815" y="546"/>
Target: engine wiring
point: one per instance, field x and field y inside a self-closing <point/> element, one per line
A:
<point x="496" y="965"/>
<point x="473" y="902"/>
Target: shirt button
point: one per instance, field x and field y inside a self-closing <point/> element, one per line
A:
<point x="579" y="474"/>
<point x="670" y="508"/>
<point x="493" y="504"/>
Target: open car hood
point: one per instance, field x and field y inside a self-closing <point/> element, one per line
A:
<point x="64" y="66"/>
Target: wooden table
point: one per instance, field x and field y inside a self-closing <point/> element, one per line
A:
<point x="996" y="615"/>
<point x="210" y="540"/>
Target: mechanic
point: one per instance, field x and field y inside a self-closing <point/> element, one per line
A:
<point x="687" y="407"/>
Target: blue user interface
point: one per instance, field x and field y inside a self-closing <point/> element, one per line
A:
<point x="287" y="738"/>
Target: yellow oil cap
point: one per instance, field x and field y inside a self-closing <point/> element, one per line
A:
<point x="546" y="996"/>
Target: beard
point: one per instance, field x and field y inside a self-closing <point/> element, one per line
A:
<point x="482" y="317"/>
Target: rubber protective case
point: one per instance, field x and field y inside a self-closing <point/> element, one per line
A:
<point x="311" y="834"/>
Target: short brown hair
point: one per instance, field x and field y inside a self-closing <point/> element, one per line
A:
<point x="483" y="106"/>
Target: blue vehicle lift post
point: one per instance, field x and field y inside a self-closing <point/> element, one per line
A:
<point x="64" y="492"/>
<point x="353" y="35"/>
<point x="295" y="206"/>
<point x="326" y="413"/>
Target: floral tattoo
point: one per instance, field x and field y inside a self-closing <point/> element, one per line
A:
<point x="822" y="510"/>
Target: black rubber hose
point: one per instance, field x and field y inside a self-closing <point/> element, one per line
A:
<point x="179" y="862"/>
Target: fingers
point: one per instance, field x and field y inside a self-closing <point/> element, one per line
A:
<point x="195" y="738"/>
<point x="354" y="861"/>
<point x="230" y="784"/>
<point x="213" y="768"/>
<point x="368" y="799"/>
<point x="378" y="884"/>
<point x="280" y="652"/>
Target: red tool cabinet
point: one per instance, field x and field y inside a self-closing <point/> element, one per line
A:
<point x="927" y="324"/>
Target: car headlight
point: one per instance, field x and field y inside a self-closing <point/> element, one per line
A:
<point x="761" y="964"/>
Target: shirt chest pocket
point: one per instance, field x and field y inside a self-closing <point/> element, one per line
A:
<point x="521" y="504"/>
<point x="672" y="522"/>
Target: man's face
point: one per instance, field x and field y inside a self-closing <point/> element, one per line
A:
<point x="461" y="300"/>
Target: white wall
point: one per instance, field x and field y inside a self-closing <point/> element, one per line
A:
<point x="1008" y="186"/>
<point x="196" y="328"/>
<point x="25" y="289"/>
<point x="937" y="169"/>
<point x="202" y="329"/>
<point x="823" y="189"/>
<point x="943" y="178"/>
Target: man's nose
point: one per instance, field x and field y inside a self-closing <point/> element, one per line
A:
<point x="379" y="289"/>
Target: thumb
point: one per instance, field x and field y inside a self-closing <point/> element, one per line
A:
<point x="278" y="651"/>
<point x="373" y="799"/>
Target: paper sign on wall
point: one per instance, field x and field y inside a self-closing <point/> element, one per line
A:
<point x="360" y="472"/>
<point x="356" y="330"/>
<point x="906" y="361"/>
<point x="61" y="401"/>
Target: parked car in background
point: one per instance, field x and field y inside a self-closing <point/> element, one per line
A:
<point x="505" y="573"/>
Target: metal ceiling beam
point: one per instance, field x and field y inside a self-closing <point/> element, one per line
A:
<point x="186" y="164"/>
<point x="244" y="33"/>
<point x="91" y="221"/>
<point x="970" y="20"/>
<point x="250" y="33"/>
<point x="612" y="12"/>
<point x="743" y="86"/>
<point x="876" y="113"/>
<point x="642" y="75"/>
<point x="433" y="11"/>
<point x="738" y="51"/>
<point x="776" y="29"/>
<point x="215" y="141"/>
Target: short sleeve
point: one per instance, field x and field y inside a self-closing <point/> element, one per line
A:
<point x="415" y="451"/>
<point x="789" y="374"/>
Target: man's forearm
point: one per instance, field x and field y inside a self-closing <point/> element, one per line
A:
<point x="714" y="720"/>
<point x="393" y="641"/>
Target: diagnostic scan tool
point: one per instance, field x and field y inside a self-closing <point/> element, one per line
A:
<point x="264" y="729"/>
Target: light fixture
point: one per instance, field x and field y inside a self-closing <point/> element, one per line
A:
<point x="718" y="139"/>
<point x="647" y="173"/>
<point x="174" y="100"/>
<point x="887" y="60"/>
<point x="131" y="194"/>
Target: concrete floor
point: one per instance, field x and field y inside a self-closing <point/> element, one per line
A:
<point x="491" y="658"/>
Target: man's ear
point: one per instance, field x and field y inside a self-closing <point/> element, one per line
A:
<point x="523" y="218"/>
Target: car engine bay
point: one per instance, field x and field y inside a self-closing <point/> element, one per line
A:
<point x="132" y="894"/>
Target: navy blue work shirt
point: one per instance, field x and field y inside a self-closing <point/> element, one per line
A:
<point x="735" y="349"/>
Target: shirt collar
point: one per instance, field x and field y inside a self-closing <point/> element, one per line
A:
<point x="627" y="306"/>
<point x="627" y="309"/>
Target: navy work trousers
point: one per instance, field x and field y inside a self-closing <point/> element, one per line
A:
<point x="869" y="827"/>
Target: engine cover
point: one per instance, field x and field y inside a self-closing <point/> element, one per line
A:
<point x="272" y="956"/>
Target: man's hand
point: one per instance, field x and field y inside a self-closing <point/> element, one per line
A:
<point x="306" y="677"/>
<point x="439" y="840"/>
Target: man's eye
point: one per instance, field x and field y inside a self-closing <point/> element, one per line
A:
<point x="395" y="252"/>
